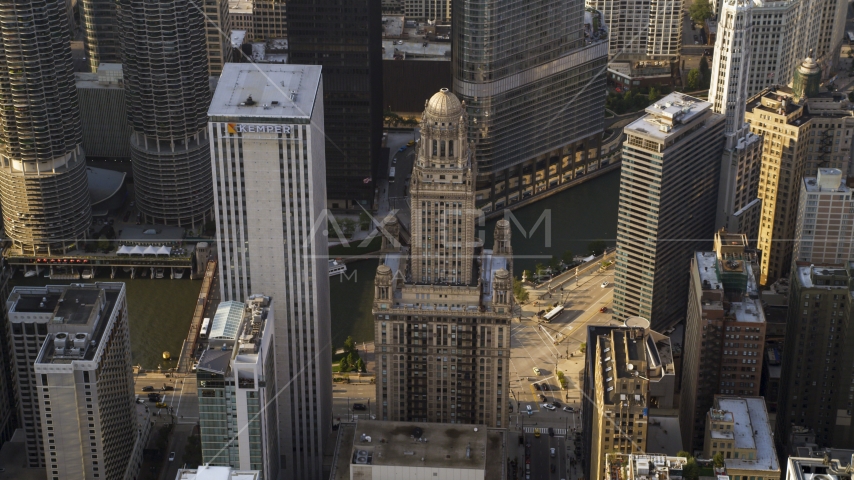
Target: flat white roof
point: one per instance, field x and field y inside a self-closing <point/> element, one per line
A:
<point x="206" y="472"/>
<point x="668" y="116"/>
<point x="276" y="91"/>
<point x="752" y="431"/>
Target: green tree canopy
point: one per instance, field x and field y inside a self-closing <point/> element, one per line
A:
<point x="596" y="247"/>
<point x="567" y="257"/>
<point x="519" y="291"/>
<point x="718" y="459"/>
<point x="653" y="94"/>
<point x="349" y="345"/>
<point x="693" y="79"/>
<point x="700" y="10"/>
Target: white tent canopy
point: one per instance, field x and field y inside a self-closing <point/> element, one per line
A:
<point x="149" y="250"/>
<point x="137" y="250"/>
<point x="164" y="250"/>
<point x="124" y="250"/>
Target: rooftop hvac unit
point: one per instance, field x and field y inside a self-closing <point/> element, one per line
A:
<point x="60" y="341"/>
<point x="81" y="340"/>
<point x="363" y="460"/>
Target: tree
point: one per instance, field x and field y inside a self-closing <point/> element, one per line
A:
<point x="705" y="73"/>
<point x="583" y="347"/>
<point x="700" y="10"/>
<point x="718" y="459"/>
<point x="554" y="264"/>
<point x="567" y="257"/>
<point x="193" y="452"/>
<point x="519" y="291"/>
<point x="693" y="79"/>
<point x="691" y="471"/>
<point x="343" y="366"/>
<point x="596" y="247"/>
<point x="103" y="243"/>
<point x="360" y="366"/>
<point x="349" y="345"/>
<point x="653" y="94"/>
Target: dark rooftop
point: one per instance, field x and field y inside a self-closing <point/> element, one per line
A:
<point x="76" y="305"/>
<point x="37" y="303"/>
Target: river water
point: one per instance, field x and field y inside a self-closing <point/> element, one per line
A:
<point x="161" y="309"/>
<point x="160" y="312"/>
<point x="570" y="221"/>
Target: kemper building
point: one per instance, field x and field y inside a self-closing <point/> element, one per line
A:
<point x="442" y="308"/>
<point x="238" y="422"/>
<point x="75" y="395"/>
<point x="534" y="93"/>
<point x="267" y="141"/>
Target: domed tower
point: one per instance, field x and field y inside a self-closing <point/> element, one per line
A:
<point x="382" y="284"/>
<point x="443" y="212"/>
<point x="807" y="79"/>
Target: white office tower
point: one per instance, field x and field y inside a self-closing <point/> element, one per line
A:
<point x="267" y="146"/>
<point x="76" y="395"/>
<point x="739" y="207"/>
<point x="823" y="233"/>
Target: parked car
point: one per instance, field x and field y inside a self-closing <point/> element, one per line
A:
<point x="410" y="143"/>
<point x="568" y="409"/>
<point x="168" y="388"/>
<point x="542" y="398"/>
<point x="556" y="403"/>
<point x="148" y="388"/>
<point x="549" y="407"/>
<point x="603" y="310"/>
<point x="359" y="406"/>
<point x="536" y="386"/>
<point x="536" y="371"/>
<point x="605" y="284"/>
<point x="402" y="148"/>
<point x="160" y="405"/>
<point x="171" y="456"/>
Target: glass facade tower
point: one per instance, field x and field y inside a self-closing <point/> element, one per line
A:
<point x="534" y="92"/>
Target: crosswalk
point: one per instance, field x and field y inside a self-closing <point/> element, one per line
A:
<point x="544" y="430"/>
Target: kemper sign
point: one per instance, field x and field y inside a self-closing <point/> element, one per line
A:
<point x="244" y="128"/>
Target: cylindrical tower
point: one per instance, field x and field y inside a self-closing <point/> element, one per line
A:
<point x="43" y="186"/>
<point x="807" y="78"/>
<point x="168" y="93"/>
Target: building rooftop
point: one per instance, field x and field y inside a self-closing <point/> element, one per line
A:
<point x="429" y="444"/>
<point x="827" y="180"/>
<point x="751" y="430"/>
<point x="226" y="320"/>
<point x="207" y="472"/>
<point x="79" y="315"/>
<point x="806" y="275"/>
<point x="268" y="91"/>
<point x="669" y="116"/>
<point x="632" y="351"/>
<point x="240" y="7"/>
<point x="621" y="466"/>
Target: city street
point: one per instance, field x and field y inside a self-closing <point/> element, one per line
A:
<point x="344" y="396"/>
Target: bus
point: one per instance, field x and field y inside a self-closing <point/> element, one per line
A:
<point x="206" y="328"/>
<point x="391" y="175"/>
<point x="850" y="37"/>
<point x="553" y="314"/>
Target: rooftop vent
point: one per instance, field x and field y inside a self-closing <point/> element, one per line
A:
<point x="249" y="102"/>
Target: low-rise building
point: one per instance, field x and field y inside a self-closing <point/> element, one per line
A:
<point x="390" y="450"/>
<point x="235" y="383"/>
<point x="207" y="472"/>
<point x="622" y="466"/>
<point x="738" y="429"/>
<point x="829" y="464"/>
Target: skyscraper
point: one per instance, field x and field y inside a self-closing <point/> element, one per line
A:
<point x="738" y="205"/>
<point x="447" y="303"/>
<point x="218" y="28"/>
<point x="534" y="91"/>
<point x="822" y="233"/>
<point x="168" y="92"/>
<point x="668" y="193"/>
<point x="43" y="188"/>
<point x="724" y="333"/>
<point x="266" y="130"/>
<point x="78" y="387"/>
<point x="642" y="28"/>
<point x="102" y="32"/>
<point x="345" y="38"/>
<point x="815" y="392"/>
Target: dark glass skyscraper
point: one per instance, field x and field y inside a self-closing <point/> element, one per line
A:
<point x="534" y="89"/>
<point x="43" y="186"/>
<point x="168" y="93"/>
<point x="345" y="38"/>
